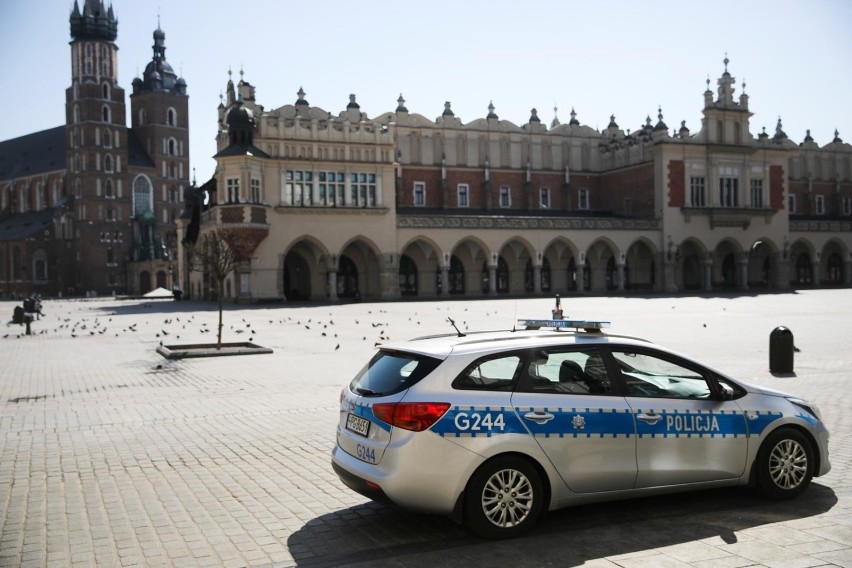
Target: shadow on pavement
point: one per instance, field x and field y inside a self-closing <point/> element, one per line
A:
<point x="372" y="534"/>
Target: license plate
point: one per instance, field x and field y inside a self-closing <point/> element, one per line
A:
<point x="360" y="426"/>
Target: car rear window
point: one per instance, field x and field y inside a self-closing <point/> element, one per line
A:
<point x="390" y="372"/>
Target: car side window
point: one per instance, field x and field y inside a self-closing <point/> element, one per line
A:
<point x="490" y="373"/>
<point x="560" y="371"/>
<point x="656" y="376"/>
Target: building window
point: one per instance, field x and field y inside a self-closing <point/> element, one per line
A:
<point x="106" y="91"/>
<point x="697" y="191"/>
<point x="419" y="194"/>
<point x="544" y="198"/>
<point x="105" y="114"/>
<point x="105" y="62"/>
<point x="299" y="188"/>
<point x="757" y="193"/>
<point x="582" y="199"/>
<point x="170" y="117"/>
<point x="171" y="147"/>
<point x="232" y="186"/>
<point x="363" y="189"/>
<point x="332" y="189"/>
<point x="729" y="191"/>
<point x="463" y="198"/>
<point x="820" y="205"/>
<point x="108" y="164"/>
<point x="107" y="138"/>
<point x="143" y="196"/>
<point x="505" y="197"/>
<point x="40" y="270"/>
<point x="88" y="61"/>
<point x="847" y="206"/>
<point x="255" y="190"/>
<point x="110" y="214"/>
<point x="791" y="203"/>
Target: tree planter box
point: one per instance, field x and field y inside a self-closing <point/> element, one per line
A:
<point x="209" y="350"/>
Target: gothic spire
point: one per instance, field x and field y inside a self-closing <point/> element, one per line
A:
<point x="95" y="22"/>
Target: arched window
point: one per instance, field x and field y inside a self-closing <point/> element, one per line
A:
<point x="143" y="195"/>
<point x="40" y="266"/>
<point x="142" y="116"/>
<point x="88" y="59"/>
<point x="16" y="264"/>
<point x="107" y="138"/>
<point x="105" y="114"/>
<point x="171" y="117"/>
<point x="108" y="188"/>
<point x="105" y="90"/>
<point x="172" y="151"/>
<point x="105" y="61"/>
<point x="108" y="163"/>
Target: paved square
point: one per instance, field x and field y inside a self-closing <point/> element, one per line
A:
<point x="111" y="455"/>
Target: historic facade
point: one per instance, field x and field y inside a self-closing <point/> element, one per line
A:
<point x="90" y="207"/>
<point x="348" y="206"/>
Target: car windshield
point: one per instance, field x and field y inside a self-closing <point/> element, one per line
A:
<point x="391" y="372"/>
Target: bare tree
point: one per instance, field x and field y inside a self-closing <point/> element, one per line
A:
<point x="218" y="253"/>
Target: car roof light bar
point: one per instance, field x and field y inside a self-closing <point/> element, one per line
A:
<point x="585" y="325"/>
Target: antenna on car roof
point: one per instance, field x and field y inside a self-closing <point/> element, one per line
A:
<point x="449" y="319"/>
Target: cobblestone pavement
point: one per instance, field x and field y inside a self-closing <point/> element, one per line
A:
<point x="111" y="455"/>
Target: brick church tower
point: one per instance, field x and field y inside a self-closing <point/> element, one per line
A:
<point x="126" y="183"/>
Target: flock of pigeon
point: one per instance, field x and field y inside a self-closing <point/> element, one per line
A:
<point x="185" y="327"/>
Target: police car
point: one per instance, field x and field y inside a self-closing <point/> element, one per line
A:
<point x="496" y="428"/>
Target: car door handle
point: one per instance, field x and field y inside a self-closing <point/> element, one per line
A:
<point x="650" y="418"/>
<point x="539" y="417"/>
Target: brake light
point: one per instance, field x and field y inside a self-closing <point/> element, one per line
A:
<point x="414" y="416"/>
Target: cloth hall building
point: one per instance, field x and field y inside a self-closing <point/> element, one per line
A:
<point x="347" y="206"/>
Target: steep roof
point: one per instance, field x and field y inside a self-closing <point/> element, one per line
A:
<point x="24" y="225"/>
<point x="33" y="154"/>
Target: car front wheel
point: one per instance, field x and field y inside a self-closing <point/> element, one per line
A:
<point x="504" y="498"/>
<point x="785" y="464"/>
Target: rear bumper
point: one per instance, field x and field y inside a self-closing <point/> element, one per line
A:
<point x="360" y="485"/>
<point x="426" y="477"/>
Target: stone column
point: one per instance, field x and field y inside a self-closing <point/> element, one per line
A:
<point x="619" y="271"/>
<point x="742" y="266"/>
<point x="389" y="276"/>
<point x="581" y="274"/>
<point x="492" y="275"/>
<point x="815" y="271"/>
<point x="707" y="272"/>
<point x="537" y="273"/>
<point x="332" y="286"/>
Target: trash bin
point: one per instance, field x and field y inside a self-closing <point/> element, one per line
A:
<point x="781" y="350"/>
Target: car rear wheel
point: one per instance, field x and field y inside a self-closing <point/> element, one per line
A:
<point x="785" y="464"/>
<point x="504" y="498"/>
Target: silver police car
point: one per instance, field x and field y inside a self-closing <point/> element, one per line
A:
<point x="496" y="428"/>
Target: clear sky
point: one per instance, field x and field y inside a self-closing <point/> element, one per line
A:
<point x="619" y="57"/>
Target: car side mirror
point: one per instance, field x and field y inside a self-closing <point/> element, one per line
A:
<point x="727" y="391"/>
